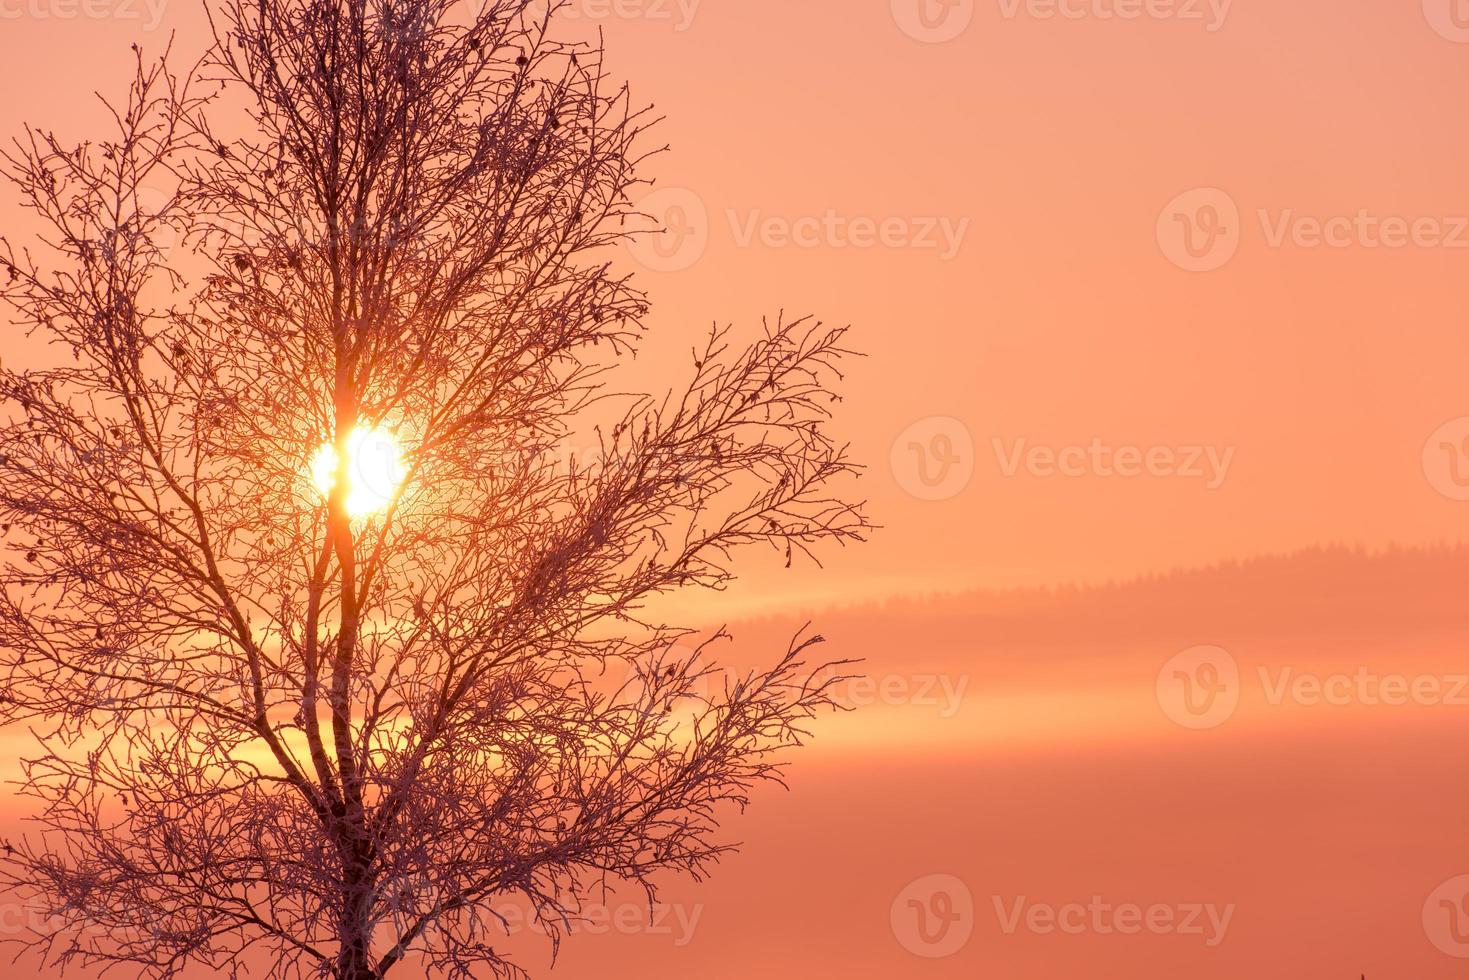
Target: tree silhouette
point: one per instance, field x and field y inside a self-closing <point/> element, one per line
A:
<point x="361" y="249"/>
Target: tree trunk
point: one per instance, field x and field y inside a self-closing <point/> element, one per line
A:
<point x="354" y="964"/>
<point x="354" y="958"/>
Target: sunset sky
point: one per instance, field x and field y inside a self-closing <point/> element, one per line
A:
<point x="1143" y="287"/>
<point x="1024" y="292"/>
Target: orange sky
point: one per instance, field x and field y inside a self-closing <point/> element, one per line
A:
<point x="1005" y="218"/>
<point x="1045" y="150"/>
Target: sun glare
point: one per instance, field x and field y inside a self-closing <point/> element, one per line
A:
<point x="374" y="470"/>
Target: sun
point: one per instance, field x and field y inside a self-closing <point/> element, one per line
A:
<point x="374" y="470"/>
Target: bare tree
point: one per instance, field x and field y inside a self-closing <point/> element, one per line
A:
<point x="296" y="706"/>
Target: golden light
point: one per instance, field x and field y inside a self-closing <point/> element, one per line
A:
<point x="374" y="470"/>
